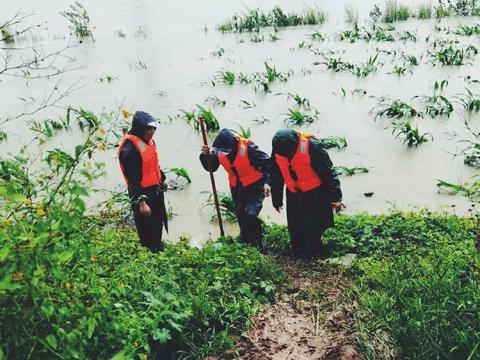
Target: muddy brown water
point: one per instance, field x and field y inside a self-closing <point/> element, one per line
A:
<point x="175" y="40"/>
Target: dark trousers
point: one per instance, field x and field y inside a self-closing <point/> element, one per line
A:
<point x="308" y="216"/>
<point x="248" y="202"/>
<point x="150" y="228"/>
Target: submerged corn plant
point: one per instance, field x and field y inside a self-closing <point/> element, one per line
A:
<point x="211" y="121"/>
<point x="297" y="117"/>
<point x="452" y="55"/>
<point x="411" y="136"/>
<point x="244" y="104"/>
<point x="330" y="142"/>
<point x="226" y="76"/>
<point x="470" y="101"/>
<point x="424" y="11"/>
<point x="299" y="100"/>
<point x="317" y="36"/>
<point x="388" y="108"/>
<point x="271" y="74"/>
<point x="469" y="190"/>
<point x="467" y="30"/>
<point x="79" y="20"/>
<point x="228" y="210"/>
<point x="437" y="104"/>
<point x="215" y="101"/>
<point x="218" y="53"/>
<point x="182" y="178"/>
<point x="343" y="170"/>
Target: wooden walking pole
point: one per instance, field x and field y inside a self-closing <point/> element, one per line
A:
<point x="212" y="179"/>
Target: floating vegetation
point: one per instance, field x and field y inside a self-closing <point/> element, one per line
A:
<point x="411" y="136"/>
<point x="472" y="154"/>
<point x="215" y="101"/>
<point x="139" y="64"/>
<point x="271" y="74"/>
<point x="452" y="55"/>
<point x="261" y="120"/>
<point x="297" y="117"/>
<point x="255" y="38"/>
<point x="79" y="20"/>
<point x="254" y="19"/>
<point x="273" y="37"/>
<point x="399" y="70"/>
<point x="218" y="53"/>
<point x="330" y="142"/>
<point x="388" y="108"/>
<point x="343" y="170"/>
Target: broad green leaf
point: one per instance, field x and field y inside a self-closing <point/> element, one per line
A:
<point x="65" y="256"/>
<point x="52" y="341"/>
<point x="162" y="335"/>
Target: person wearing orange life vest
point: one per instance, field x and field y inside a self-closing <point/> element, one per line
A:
<point x="313" y="190"/>
<point x="248" y="175"/>
<point x="139" y="163"/>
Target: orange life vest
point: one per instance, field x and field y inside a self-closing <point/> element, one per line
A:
<point x="151" y="174"/>
<point x="306" y="177"/>
<point x="244" y="170"/>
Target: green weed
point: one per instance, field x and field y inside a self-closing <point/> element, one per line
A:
<point x="299" y="100"/>
<point x="227" y="77"/>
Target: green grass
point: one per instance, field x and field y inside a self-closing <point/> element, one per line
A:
<point x="395" y="12"/>
<point x="255" y="19"/>
<point x="227" y="77"/>
<point x="425" y="11"/>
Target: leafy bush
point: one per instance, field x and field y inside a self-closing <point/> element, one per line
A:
<point x="79" y="20"/>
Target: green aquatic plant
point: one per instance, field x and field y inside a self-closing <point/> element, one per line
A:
<point x="467" y="30"/>
<point x="343" y="170"/>
<point x="363" y="70"/>
<point x="218" y="53"/>
<point x="255" y="38"/>
<point x="411" y="136"/>
<point x="79" y="20"/>
<point x="180" y="173"/>
<point x="396" y="108"/>
<point x="330" y="142"/>
<point x="297" y="117"/>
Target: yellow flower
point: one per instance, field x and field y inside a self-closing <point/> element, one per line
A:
<point x="27" y="202"/>
<point x="5" y="223"/>
<point x="17" y="276"/>
<point x="93" y="259"/>
<point x="102" y="147"/>
<point x="145" y="357"/>
<point x="55" y="159"/>
<point x="67" y="285"/>
<point x="41" y="212"/>
<point x="125" y="114"/>
<point x="102" y="131"/>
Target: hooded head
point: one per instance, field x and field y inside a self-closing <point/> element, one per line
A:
<point x="225" y="141"/>
<point x="143" y="125"/>
<point x="285" y="142"/>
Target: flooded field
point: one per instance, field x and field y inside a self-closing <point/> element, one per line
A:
<point x="166" y="57"/>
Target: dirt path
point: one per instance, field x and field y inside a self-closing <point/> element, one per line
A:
<point x="312" y="319"/>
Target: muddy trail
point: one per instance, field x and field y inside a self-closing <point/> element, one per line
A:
<point x="312" y="319"/>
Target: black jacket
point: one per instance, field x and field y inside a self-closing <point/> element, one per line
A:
<point x="321" y="164"/>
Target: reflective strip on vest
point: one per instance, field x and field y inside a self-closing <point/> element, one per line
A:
<point x="151" y="174"/>
<point x="247" y="173"/>
<point x="306" y="177"/>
